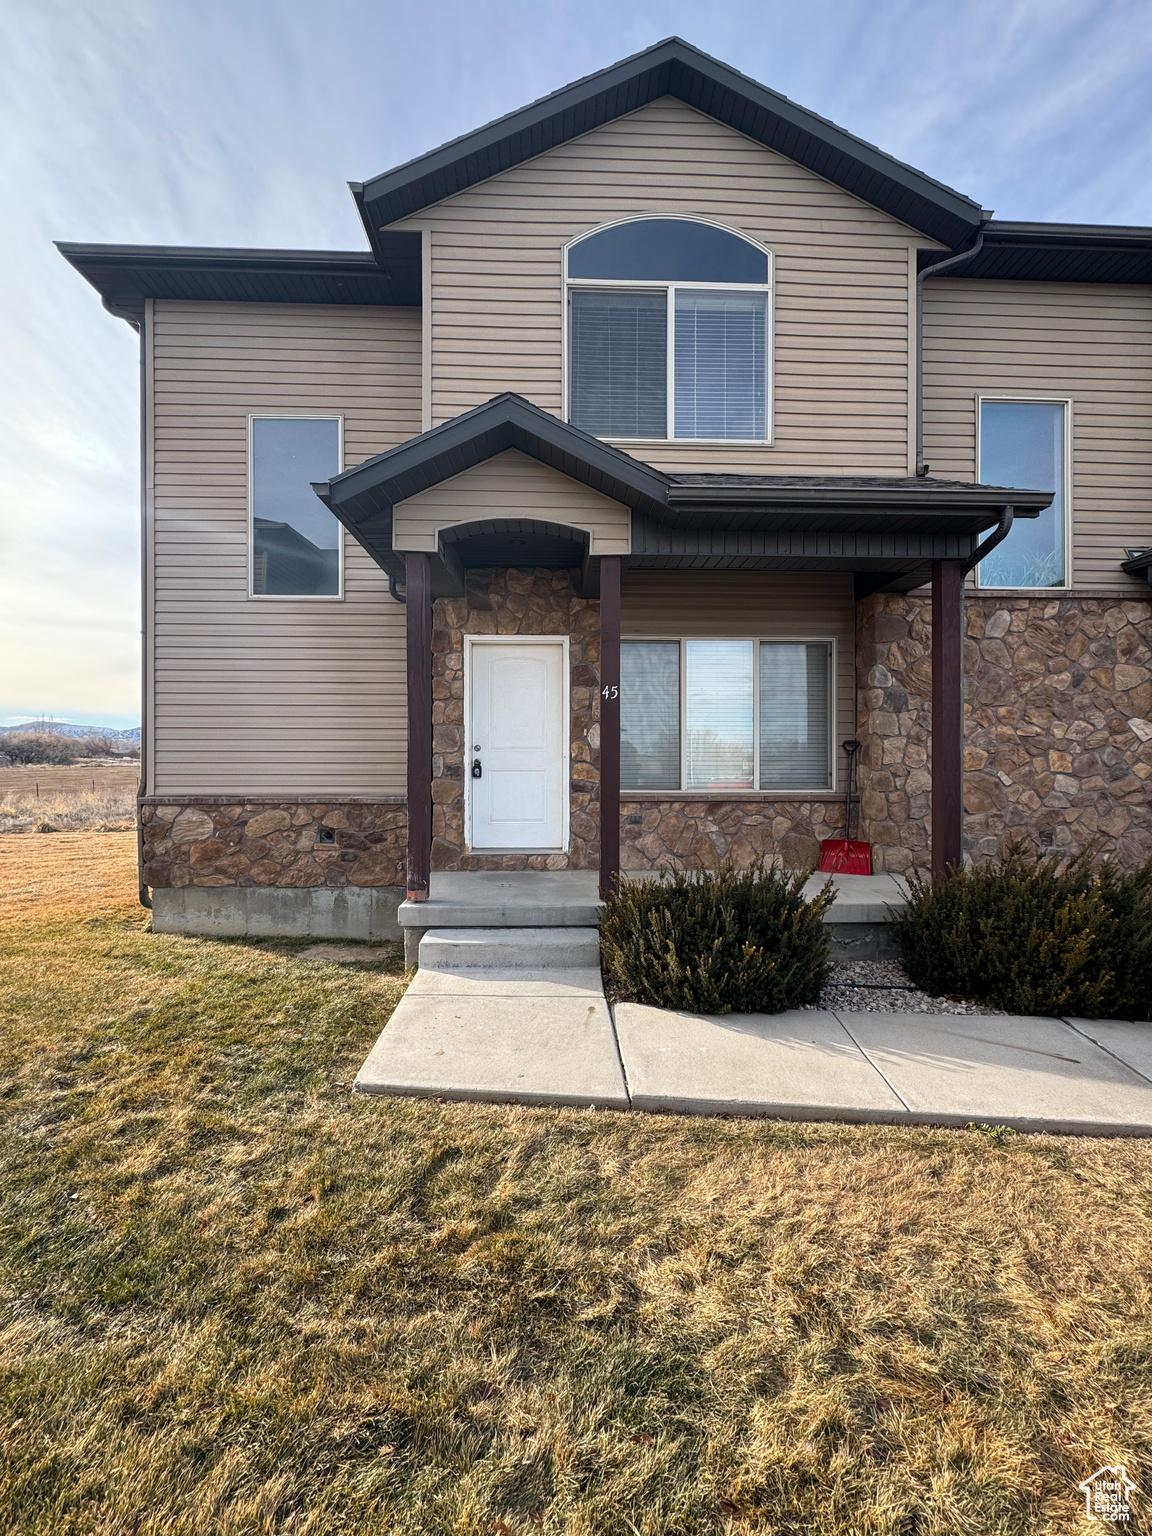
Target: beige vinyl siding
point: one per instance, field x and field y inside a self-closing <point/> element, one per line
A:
<point x="1091" y="343"/>
<point x="267" y="697"/>
<point x="841" y="273"/>
<point x="763" y="605"/>
<point x="512" y="485"/>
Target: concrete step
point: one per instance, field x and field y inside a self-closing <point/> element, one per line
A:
<point x="454" y="949"/>
<point x="565" y="898"/>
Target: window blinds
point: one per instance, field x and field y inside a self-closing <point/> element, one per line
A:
<point x="795" y="694"/>
<point x="719" y="705"/>
<point x="618" y="362"/>
<point x="650" y="714"/>
<point x="721" y="364"/>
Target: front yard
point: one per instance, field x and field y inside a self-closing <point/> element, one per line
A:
<point x="233" y="1299"/>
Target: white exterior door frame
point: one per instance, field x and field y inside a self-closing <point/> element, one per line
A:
<point x="560" y="642"/>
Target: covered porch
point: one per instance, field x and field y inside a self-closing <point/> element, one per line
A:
<point x="508" y="528"/>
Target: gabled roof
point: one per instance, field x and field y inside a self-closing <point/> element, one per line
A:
<point x="363" y="497"/>
<point x="671" y="68"/>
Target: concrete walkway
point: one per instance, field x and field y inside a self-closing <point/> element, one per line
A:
<point x="536" y="1036"/>
<point x="549" y="1037"/>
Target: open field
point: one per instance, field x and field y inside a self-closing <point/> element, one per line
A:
<point x="235" y="1300"/>
<point x="75" y="798"/>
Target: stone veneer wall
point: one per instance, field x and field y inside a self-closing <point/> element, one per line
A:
<point x="1058" y="751"/>
<point x="701" y="833"/>
<point x="289" y="843"/>
<point x="1057" y="725"/>
<point x="515" y="602"/>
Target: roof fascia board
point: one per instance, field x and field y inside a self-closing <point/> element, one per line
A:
<point x="127" y="274"/>
<point x="942" y="499"/>
<point x="675" y="68"/>
<point x="1075" y="253"/>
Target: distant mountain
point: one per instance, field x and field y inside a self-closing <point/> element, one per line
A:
<point x="62" y="728"/>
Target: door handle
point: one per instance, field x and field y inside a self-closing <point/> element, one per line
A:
<point x="477" y="771"/>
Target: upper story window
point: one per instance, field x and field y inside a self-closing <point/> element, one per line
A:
<point x="296" y="544"/>
<point x="669" y="333"/>
<point x="1024" y="443"/>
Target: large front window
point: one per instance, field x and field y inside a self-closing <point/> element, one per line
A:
<point x="1023" y="444"/>
<point x="295" y="540"/>
<point x="718" y="716"/>
<point x="669" y="329"/>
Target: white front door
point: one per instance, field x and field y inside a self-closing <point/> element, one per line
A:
<point x="518" y="735"/>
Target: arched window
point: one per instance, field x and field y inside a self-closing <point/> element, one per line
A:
<point x="669" y="330"/>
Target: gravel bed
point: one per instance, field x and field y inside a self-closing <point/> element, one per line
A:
<point x="881" y="986"/>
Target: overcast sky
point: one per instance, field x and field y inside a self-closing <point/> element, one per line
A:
<point x="238" y="122"/>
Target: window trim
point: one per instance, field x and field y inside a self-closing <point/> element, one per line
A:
<point x="755" y="641"/>
<point x="1066" y="402"/>
<point x="292" y="597"/>
<point x="627" y="285"/>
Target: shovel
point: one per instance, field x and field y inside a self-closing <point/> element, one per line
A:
<point x="840" y="855"/>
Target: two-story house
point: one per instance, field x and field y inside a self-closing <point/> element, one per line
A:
<point x="666" y="438"/>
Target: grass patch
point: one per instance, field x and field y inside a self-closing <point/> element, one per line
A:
<point x="235" y="1300"/>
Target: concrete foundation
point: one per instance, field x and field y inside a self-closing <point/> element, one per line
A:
<point x="323" y="912"/>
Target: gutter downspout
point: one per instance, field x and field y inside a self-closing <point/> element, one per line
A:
<point x="954" y="260"/>
<point x="997" y="536"/>
<point x="145" y="601"/>
<point x="393" y="592"/>
<point x="137" y="318"/>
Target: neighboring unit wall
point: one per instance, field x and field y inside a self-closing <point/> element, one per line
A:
<point x="512" y="485"/>
<point x="1057" y="734"/>
<point x="271" y="697"/>
<point x="1088" y="342"/>
<point x="842" y="284"/>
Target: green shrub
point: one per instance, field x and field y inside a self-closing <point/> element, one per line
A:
<point x="1038" y="935"/>
<point x="742" y="941"/>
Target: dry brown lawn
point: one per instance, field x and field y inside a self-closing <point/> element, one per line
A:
<point x="233" y="1299"/>
<point x="73" y="798"/>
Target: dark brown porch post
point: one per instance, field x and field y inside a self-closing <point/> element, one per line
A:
<point x="609" y="722"/>
<point x="418" y="622"/>
<point x="947" y="715"/>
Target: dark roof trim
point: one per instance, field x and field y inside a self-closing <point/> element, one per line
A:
<point x="1059" y="253"/>
<point x="843" y="493"/>
<point x="1139" y="564"/>
<point x="673" y="68"/>
<point x="506" y="421"/>
<point x="738" y="506"/>
<point x="363" y="497"/>
<point x="126" y="275"/>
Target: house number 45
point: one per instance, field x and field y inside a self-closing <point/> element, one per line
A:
<point x="610" y="691"/>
